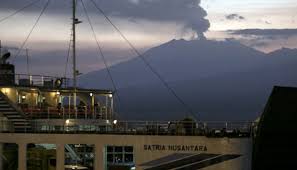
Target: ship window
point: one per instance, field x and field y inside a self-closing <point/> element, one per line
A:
<point x="128" y="158"/>
<point x="109" y="149"/>
<point x="41" y="156"/>
<point x="53" y="162"/>
<point x="128" y="149"/>
<point x="110" y="158"/>
<point x="80" y="154"/>
<point x="9" y="156"/>
<point x="118" y="149"/>
<point x="119" y="156"/>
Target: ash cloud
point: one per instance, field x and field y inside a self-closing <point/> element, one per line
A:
<point x="235" y="17"/>
<point x="186" y="12"/>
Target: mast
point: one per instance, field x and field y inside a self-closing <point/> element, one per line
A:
<point x="74" y="50"/>
<point x="0" y="49"/>
<point x="27" y="57"/>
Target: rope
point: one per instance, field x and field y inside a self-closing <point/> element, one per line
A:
<point x="28" y="36"/>
<point x="171" y="90"/>
<point x="101" y="52"/>
<point x="19" y="10"/>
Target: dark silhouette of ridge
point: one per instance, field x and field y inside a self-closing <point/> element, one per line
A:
<point x="275" y="143"/>
<point x="220" y="80"/>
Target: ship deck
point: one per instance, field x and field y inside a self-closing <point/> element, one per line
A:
<point x="115" y="127"/>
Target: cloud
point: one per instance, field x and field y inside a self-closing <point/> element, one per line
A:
<point x="266" y="40"/>
<point x="263" y="21"/>
<point x="186" y="12"/>
<point x="235" y="17"/>
<point x="268" y="33"/>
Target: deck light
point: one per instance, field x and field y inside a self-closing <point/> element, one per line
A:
<point x="110" y="95"/>
<point x="115" y="122"/>
<point x="58" y="93"/>
<point x="6" y="90"/>
<point x="23" y="97"/>
<point x="67" y="121"/>
<point x="91" y="94"/>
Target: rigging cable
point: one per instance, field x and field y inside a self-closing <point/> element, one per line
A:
<point x="101" y="52"/>
<point x="32" y="29"/>
<point x="19" y="10"/>
<point x="188" y="109"/>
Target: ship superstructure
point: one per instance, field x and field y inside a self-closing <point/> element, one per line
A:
<point x="37" y="97"/>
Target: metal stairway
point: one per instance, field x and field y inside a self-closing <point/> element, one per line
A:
<point x="13" y="114"/>
<point x="72" y="153"/>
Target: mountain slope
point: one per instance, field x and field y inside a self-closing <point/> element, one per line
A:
<point x="180" y="60"/>
<point x="219" y="80"/>
<point x="231" y="96"/>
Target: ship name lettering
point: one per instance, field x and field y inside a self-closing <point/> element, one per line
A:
<point x="154" y="147"/>
<point x="187" y="148"/>
<point x="179" y="148"/>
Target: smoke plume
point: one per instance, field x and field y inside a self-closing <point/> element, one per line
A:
<point x="187" y="12"/>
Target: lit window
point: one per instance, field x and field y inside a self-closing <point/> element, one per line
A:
<point x="120" y="155"/>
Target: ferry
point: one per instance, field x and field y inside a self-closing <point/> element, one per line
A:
<point x="41" y="128"/>
<point x="49" y="123"/>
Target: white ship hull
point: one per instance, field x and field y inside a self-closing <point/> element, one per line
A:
<point x="150" y="152"/>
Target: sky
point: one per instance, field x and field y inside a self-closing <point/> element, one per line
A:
<point x="146" y="23"/>
<point x="257" y="13"/>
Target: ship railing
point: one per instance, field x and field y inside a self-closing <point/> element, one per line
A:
<point x="171" y="128"/>
<point x="36" y="80"/>
<point x="64" y="113"/>
<point x="210" y="129"/>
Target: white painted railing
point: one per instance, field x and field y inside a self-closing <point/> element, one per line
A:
<point x="100" y="126"/>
